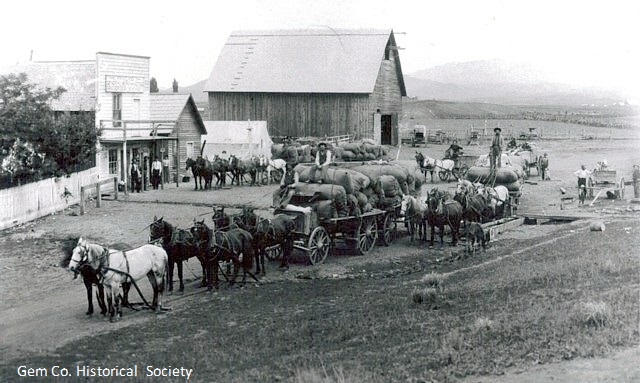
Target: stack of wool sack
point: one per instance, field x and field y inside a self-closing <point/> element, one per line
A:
<point x="509" y="176"/>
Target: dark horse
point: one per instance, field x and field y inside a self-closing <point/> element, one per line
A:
<point x="215" y="246"/>
<point x="238" y="169"/>
<point x="180" y="245"/>
<point x="220" y="167"/>
<point x="443" y="211"/>
<point x="201" y="170"/>
<point x="277" y="231"/>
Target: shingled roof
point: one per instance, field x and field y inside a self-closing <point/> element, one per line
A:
<point x="300" y="61"/>
<point x="77" y="77"/>
<point x="169" y="106"/>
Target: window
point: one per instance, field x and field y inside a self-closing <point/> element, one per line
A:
<point x="117" y="109"/>
<point x="113" y="161"/>
<point x="189" y="149"/>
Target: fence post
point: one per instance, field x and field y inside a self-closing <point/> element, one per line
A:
<point x="98" y="195"/>
<point x="82" y="200"/>
<point x="115" y="188"/>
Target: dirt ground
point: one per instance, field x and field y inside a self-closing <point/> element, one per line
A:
<point x="42" y="307"/>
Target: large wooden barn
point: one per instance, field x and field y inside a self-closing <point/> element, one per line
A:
<point x="319" y="82"/>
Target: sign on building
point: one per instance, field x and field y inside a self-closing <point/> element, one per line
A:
<point x="125" y="84"/>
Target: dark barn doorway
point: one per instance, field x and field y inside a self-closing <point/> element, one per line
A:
<point x="385" y="131"/>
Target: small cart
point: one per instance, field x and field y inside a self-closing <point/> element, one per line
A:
<point x="605" y="181"/>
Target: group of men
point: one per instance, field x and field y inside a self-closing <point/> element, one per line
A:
<point x="159" y="171"/>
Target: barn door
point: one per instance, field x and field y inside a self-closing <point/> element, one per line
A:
<point x="385" y="134"/>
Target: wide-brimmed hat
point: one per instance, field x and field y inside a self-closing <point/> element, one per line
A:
<point x="497" y="130"/>
<point x="322" y="144"/>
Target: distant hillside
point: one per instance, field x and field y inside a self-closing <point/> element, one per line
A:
<point x="499" y="82"/>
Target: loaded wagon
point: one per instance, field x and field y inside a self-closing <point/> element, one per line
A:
<point x="315" y="236"/>
<point x="461" y="166"/>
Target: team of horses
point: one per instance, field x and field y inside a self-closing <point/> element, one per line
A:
<point x="235" y="240"/>
<point x="258" y="168"/>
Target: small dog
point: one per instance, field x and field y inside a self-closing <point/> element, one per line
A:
<point x="475" y="233"/>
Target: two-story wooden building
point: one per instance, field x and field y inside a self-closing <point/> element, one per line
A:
<point x="311" y="82"/>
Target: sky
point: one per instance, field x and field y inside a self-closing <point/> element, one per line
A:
<point x="586" y="43"/>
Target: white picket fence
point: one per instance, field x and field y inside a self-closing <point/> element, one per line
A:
<point x="31" y="201"/>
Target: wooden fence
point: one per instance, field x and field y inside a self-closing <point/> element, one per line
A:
<point x="28" y="202"/>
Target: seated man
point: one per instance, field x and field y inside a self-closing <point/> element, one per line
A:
<point x="323" y="159"/>
<point x="454" y="151"/>
<point x="512" y="143"/>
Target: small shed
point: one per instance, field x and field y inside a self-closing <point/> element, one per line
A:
<point x="241" y="138"/>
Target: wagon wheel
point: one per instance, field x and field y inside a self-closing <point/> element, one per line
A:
<point x="620" y="191"/>
<point x="461" y="173"/>
<point x="265" y="178"/>
<point x="274" y="253"/>
<point x="367" y="235"/>
<point x="389" y="228"/>
<point x="318" y="245"/>
<point x="589" y="188"/>
<point x="444" y="175"/>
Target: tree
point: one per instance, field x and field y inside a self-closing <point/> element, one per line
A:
<point x="153" y="85"/>
<point x="38" y="145"/>
<point x="175" y="86"/>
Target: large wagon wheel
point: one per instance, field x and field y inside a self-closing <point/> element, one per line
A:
<point x="389" y="228"/>
<point x="620" y="191"/>
<point x="461" y="172"/>
<point x="367" y="235"/>
<point x="589" y="187"/>
<point x="318" y="245"/>
<point x="444" y="175"/>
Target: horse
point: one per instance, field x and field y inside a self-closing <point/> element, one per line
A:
<point x="443" y="211"/>
<point x="432" y="164"/>
<point x="256" y="166"/>
<point x="195" y="169"/>
<point x="220" y="167"/>
<point x="415" y="211"/>
<point x="496" y="198"/>
<point x="221" y="220"/>
<point x="234" y="245"/>
<point x="276" y="231"/>
<point x="475" y="233"/>
<point x="179" y="244"/>
<point x="204" y="166"/>
<point x="238" y="169"/>
<point x="475" y="207"/>
<point x="278" y="166"/>
<point x="116" y="267"/>
<point x="89" y="275"/>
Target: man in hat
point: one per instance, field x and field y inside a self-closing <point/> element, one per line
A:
<point x="544" y="164"/>
<point x="136" y="181"/>
<point x="323" y="159"/>
<point x="496" y="149"/>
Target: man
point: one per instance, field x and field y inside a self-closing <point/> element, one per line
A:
<point x="323" y="159"/>
<point x="454" y="151"/>
<point x="582" y="175"/>
<point x="636" y="181"/>
<point x="156" y="170"/>
<point x="544" y="164"/>
<point x="282" y="195"/>
<point x="136" y="182"/>
<point x="496" y="150"/>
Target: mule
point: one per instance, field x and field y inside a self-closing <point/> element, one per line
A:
<point x="443" y="211"/>
<point x="116" y="267"/>
<point x="179" y="244"/>
<point x="415" y="213"/>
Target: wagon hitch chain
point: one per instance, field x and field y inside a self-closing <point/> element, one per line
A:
<point x="133" y="282"/>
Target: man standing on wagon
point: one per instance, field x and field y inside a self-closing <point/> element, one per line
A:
<point x="496" y="150"/>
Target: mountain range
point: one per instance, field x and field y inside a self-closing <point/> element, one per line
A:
<point x="487" y="81"/>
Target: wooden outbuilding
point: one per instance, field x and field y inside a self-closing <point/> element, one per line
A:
<point x="311" y="82"/>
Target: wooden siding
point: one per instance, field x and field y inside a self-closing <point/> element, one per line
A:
<point x="296" y="114"/>
<point x="121" y="65"/>
<point x="188" y="132"/>
<point x="387" y="96"/>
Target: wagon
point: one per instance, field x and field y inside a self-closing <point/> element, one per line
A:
<point x="605" y="181"/>
<point x="316" y="236"/>
<point x="460" y="168"/>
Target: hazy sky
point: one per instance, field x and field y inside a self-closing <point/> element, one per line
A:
<point x="580" y="42"/>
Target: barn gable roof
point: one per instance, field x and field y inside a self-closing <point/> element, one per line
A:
<point x="169" y="106"/>
<point x="301" y="61"/>
<point x="77" y="77"/>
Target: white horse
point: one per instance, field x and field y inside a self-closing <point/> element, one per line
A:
<point x="415" y="213"/>
<point x="117" y="267"/>
<point x="433" y="165"/>
<point x="277" y="164"/>
<point x="497" y="197"/>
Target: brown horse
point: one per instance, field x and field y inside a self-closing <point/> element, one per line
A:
<point x="179" y="244"/>
<point x="443" y="211"/>
<point x="273" y="232"/>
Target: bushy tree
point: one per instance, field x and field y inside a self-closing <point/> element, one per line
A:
<point x="37" y="145"/>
